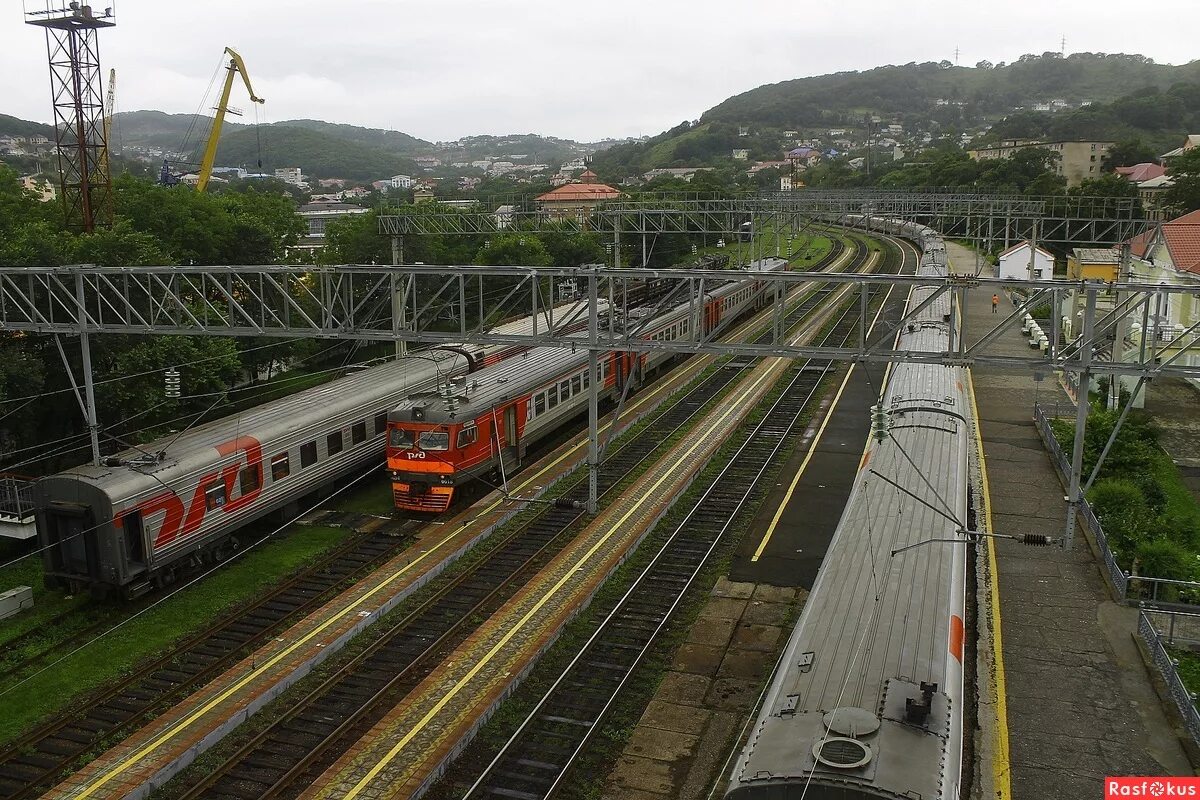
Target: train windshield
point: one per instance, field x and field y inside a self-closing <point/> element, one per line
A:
<point x="400" y="438"/>
<point x="434" y="440"/>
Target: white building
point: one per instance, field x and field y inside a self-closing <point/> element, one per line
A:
<point x="402" y="182"/>
<point x="1014" y="263"/>
<point x="292" y="175"/>
<point x="741" y="155"/>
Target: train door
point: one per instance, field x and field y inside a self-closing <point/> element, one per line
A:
<point x="71" y="542"/>
<point x="135" y="540"/>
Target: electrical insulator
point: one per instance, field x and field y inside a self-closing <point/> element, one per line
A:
<point x="881" y="422"/>
<point x="1034" y="539"/>
<point x="171" y="382"/>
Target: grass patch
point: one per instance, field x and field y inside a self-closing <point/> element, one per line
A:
<point x="154" y="632"/>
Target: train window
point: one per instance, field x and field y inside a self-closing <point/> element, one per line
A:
<point x="539" y="404"/>
<point x="248" y="480"/>
<point x="380" y="422"/>
<point x="214" y="496"/>
<point x="333" y="442"/>
<point x="564" y="390"/>
<point x="308" y="454"/>
<point x="576" y="384"/>
<point x="400" y="438"/>
<point x="358" y="432"/>
<point x="279" y="467"/>
<point x="552" y="397"/>
<point x="587" y="379"/>
<point x="434" y="440"/>
<point x="467" y="435"/>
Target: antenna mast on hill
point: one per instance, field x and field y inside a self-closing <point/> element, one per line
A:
<point x="956" y="56"/>
<point x="1062" y="51"/>
<point x="78" y="94"/>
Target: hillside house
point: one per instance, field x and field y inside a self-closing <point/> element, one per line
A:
<point x="576" y="201"/>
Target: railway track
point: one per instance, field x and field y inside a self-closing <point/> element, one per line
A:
<point x="41" y="757"/>
<point x="319" y="727"/>
<point x="539" y="755"/>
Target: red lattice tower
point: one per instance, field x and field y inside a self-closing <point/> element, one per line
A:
<point x="77" y="89"/>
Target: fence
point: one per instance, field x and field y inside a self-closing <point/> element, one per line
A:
<point x="16" y="498"/>
<point x="1118" y="579"/>
<point x="1185" y="700"/>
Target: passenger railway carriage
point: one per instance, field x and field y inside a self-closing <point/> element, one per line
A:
<point x="151" y="512"/>
<point x="484" y="423"/>
<point x="868" y="699"/>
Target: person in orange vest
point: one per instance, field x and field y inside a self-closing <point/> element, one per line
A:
<point x="995" y="302"/>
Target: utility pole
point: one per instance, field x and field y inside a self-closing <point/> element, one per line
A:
<point x="399" y="292"/>
<point x="1082" y="406"/>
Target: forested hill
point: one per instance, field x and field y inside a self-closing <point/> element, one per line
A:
<point x="321" y="155"/>
<point x="916" y="88"/>
<point x="936" y="98"/>
<point x="12" y="126"/>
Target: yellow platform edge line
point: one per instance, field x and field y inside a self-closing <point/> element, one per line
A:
<point x="1001" y="766"/>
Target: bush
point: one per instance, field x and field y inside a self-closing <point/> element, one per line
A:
<point x="1165" y="559"/>
<point x="1122" y="510"/>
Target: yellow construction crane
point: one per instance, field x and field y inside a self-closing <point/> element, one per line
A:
<point x="109" y="103"/>
<point x="236" y="66"/>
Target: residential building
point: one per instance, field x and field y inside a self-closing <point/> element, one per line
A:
<point x="318" y="215"/>
<point x="43" y="187"/>
<point x="1141" y="172"/>
<point x="1151" y="193"/>
<point x="292" y="175"/>
<point x="578" y="200"/>
<point x="1014" y="262"/>
<point x="1077" y="161"/>
<point x="1192" y="140"/>
<point x="1169" y="254"/>
<point x="403" y="182"/>
<point x="687" y="173"/>
<point x="785" y="183"/>
<point x="801" y="158"/>
<point x="740" y="155"/>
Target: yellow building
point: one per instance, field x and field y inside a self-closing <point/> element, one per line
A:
<point x="1093" y="264"/>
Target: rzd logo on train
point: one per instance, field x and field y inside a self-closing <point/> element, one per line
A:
<point x="182" y="520"/>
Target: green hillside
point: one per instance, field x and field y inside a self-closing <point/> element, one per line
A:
<point x="318" y="154"/>
<point x="157" y="129"/>
<point x="11" y="126"/>
<point x="394" y="142"/>
<point x="913" y="88"/>
<point x="970" y="98"/>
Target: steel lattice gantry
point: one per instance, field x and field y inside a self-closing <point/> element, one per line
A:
<point x="444" y="304"/>
<point x="998" y="219"/>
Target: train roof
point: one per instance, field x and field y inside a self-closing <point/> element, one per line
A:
<point x="875" y="632"/>
<point x="359" y="395"/>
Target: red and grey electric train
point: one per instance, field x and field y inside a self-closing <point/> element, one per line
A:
<point x="485" y="422"/>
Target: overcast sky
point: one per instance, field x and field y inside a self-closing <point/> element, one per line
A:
<point x="442" y="69"/>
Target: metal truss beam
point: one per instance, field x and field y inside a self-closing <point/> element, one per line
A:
<point x="440" y="304"/>
<point x="995" y="219"/>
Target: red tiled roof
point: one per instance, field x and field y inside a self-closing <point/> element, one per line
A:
<point x="1141" y="172"/>
<point x="580" y="191"/>
<point x="1183" y="240"/>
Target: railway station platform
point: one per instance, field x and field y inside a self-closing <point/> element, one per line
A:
<point x="1079" y="700"/>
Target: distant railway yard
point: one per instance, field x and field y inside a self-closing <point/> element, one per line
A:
<point x="393" y="584"/>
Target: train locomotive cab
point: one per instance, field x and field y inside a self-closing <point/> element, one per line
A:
<point x="434" y="445"/>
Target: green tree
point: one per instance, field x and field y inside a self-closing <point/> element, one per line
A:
<point x="514" y="249"/>
<point x="1184" y="196"/>
<point x="1128" y="152"/>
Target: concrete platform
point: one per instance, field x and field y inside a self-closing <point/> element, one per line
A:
<point x="1080" y="702"/>
<point x="801" y="512"/>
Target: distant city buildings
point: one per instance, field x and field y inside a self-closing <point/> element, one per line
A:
<point x="291" y="175"/>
